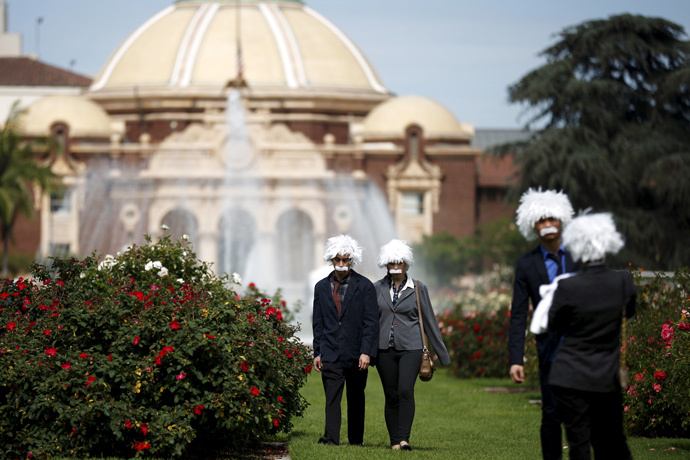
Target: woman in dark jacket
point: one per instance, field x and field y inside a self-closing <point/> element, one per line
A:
<point x="400" y="339"/>
<point x="587" y="311"/>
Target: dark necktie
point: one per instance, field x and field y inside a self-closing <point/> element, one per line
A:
<point x="396" y="293"/>
<point x="556" y="259"/>
<point x="336" y="295"/>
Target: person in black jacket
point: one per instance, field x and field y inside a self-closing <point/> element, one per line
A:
<point x="345" y="327"/>
<point x="541" y="214"/>
<point x="587" y="311"/>
<point x="400" y="339"/>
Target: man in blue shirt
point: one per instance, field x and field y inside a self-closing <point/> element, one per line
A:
<point x="541" y="214"/>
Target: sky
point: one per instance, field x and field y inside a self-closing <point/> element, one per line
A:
<point x="460" y="53"/>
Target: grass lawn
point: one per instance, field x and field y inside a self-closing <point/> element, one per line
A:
<point x="455" y="419"/>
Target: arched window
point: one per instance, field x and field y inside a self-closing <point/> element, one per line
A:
<point x="236" y="238"/>
<point x="294" y="246"/>
<point x="181" y="222"/>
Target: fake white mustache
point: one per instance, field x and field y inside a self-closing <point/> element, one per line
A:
<point x="547" y="230"/>
<point x="340" y="268"/>
<point x="395" y="271"/>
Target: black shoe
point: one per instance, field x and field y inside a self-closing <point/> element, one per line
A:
<point x="405" y="447"/>
<point x="358" y="444"/>
<point x="327" y="442"/>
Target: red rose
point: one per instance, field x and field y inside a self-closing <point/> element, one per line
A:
<point x="136" y="340"/>
<point x="144" y="428"/>
<point x="683" y="326"/>
<point x="639" y="377"/>
<point x="660" y="376"/>
<point x="51" y="351"/>
<point x="12" y="325"/>
<point x="254" y="391"/>
<point x="142" y="445"/>
<point x="276" y="422"/>
<point x="91" y="379"/>
<point x="174" y="325"/>
<point x="308" y="368"/>
<point x="67" y="366"/>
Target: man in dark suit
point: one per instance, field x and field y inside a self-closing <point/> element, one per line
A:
<point x="345" y="326"/>
<point x="541" y="214"/>
<point x="587" y="311"/>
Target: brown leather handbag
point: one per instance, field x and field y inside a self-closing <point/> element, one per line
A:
<point x="426" y="369"/>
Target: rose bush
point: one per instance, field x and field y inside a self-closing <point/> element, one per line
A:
<point x="475" y="329"/>
<point x="477" y="342"/>
<point x="144" y="354"/>
<point x="657" y="353"/>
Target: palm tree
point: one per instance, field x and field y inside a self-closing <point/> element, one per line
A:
<point x="19" y="172"/>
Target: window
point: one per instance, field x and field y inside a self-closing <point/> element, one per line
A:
<point x="295" y="245"/>
<point x="236" y="237"/>
<point x="60" y="201"/>
<point x="413" y="203"/>
<point x="414" y="146"/>
<point x="59" y="249"/>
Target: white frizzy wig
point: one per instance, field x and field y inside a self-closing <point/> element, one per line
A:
<point x="394" y="252"/>
<point x="536" y="205"/>
<point x="343" y="245"/>
<point x="589" y="237"/>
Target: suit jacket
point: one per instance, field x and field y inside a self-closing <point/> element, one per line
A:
<point x="405" y="320"/>
<point x="530" y="273"/>
<point x="356" y="332"/>
<point x="588" y="308"/>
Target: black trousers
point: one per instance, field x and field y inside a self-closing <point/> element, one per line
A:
<point x="550" y="429"/>
<point x="593" y="419"/>
<point x="398" y="370"/>
<point x="335" y="377"/>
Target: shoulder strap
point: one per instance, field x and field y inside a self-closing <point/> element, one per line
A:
<point x="419" y="311"/>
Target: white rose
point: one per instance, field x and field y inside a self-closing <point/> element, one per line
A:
<point x="163" y="272"/>
<point x="148" y="266"/>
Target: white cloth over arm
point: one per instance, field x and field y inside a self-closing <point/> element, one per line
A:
<point x="540" y="319"/>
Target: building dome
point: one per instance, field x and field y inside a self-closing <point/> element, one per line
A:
<point x="85" y="118"/>
<point x="192" y="45"/>
<point x="390" y="118"/>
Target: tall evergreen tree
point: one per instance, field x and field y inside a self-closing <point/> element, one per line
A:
<point x="19" y="172"/>
<point x="611" y="115"/>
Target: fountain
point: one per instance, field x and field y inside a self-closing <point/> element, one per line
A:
<point x="255" y="216"/>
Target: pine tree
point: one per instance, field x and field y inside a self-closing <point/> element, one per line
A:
<point x="611" y="114"/>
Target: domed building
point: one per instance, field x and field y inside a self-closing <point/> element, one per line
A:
<point x="258" y="129"/>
